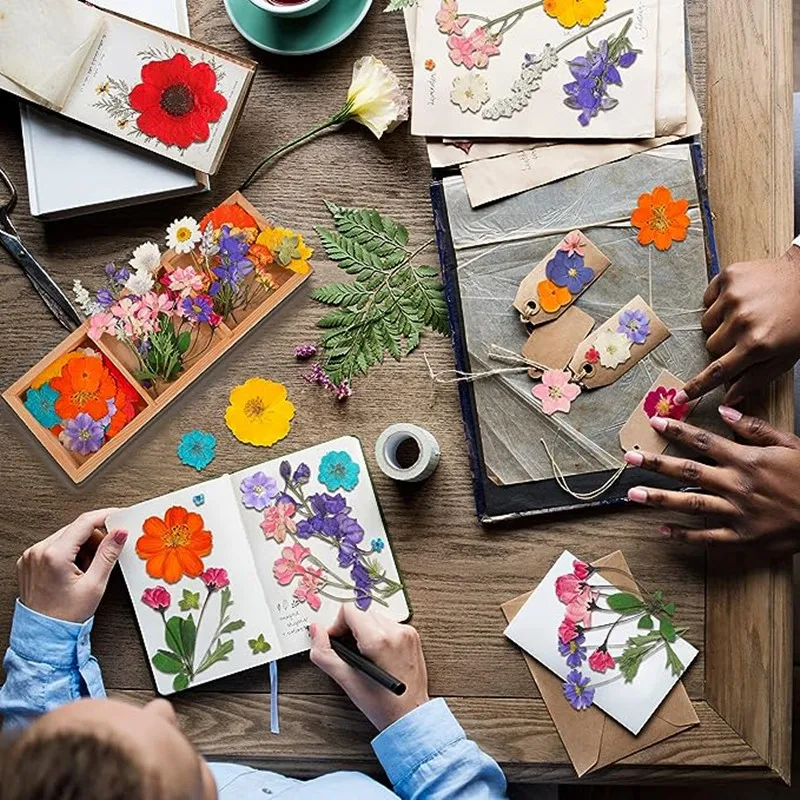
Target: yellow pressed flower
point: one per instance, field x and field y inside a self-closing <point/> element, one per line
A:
<point x="288" y="248"/>
<point x="54" y="370"/>
<point x="259" y="412"/>
<point x="572" y="12"/>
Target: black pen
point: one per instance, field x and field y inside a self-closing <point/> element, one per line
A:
<point x="371" y="670"/>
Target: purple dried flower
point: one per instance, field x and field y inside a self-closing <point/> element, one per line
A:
<point x="573" y="650"/>
<point x="577" y="692"/>
<point x="635" y="324"/>
<point x="104" y="298"/>
<point x="285" y="470"/>
<point x="305" y="351"/>
<point x="83" y="434"/>
<point x="257" y="490"/>
<point x="342" y="391"/>
<point x="302" y="475"/>
<point x="318" y="375"/>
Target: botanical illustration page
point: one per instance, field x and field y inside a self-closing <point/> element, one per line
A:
<point x="317" y="539"/>
<point x="515" y="69"/>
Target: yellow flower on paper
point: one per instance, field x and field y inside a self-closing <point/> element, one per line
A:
<point x="572" y="12"/>
<point x="288" y="249"/>
<point x="259" y="412"/>
<point x="375" y="98"/>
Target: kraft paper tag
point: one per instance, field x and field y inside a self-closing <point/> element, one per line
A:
<point x="559" y="279"/>
<point x="618" y="345"/>
<point x="637" y="433"/>
<point x="552" y="345"/>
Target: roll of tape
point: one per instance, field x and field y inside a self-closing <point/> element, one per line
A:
<point x="407" y="453"/>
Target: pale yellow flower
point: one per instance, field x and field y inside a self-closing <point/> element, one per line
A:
<point x="375" y="98"/>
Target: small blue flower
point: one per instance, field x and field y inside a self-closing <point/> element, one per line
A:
<point x="199" y="500"/>
<point x="197" y="449"/>
<point x="338" y="471"/>
<point x="377" y="545"/>
<point x="41" y="403"/>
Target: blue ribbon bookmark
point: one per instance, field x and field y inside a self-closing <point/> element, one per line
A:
<point x="274" y="721"/>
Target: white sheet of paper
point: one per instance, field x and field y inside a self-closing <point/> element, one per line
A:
<point x="671" y="86"/>
<point x="535" y="630"/>
<point x="546" y="115"/>
<point x="44" y="43"/>
<point x="504" y="176"/>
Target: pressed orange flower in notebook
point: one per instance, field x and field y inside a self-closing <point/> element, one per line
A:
<point x="661" y="220"/>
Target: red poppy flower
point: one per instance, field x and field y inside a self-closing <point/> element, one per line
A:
<point x="176" y="101"/>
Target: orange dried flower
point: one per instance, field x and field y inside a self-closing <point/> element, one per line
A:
<point x="552" y="297"/>
<point x="660" y="219"/>
<point x="230" y="214"/>
<point x="85" y="385"/>
<point x="430" y="65"/>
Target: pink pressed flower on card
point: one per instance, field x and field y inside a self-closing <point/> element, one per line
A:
<point x="581" y="570"/>
<point x="185" y="281"/>
<point x="601" y="660"/>
<point x="308" y="590"/>
<point x="278" y="521"/>
<point x="461" y="51"/>
<point x="290" y="563"/>
<point x="448" y="18"/>
<point x="484" y="47"/>
<point x="567" y="631"/>
<point x="568" y="587"/>
<point x="215" y="578"/>
<point x="573" y="244"/>
<point x="157" y="597"/>
<point x="556" y="392"/>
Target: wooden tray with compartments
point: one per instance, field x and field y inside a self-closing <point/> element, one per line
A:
<point x="212" y="344"/>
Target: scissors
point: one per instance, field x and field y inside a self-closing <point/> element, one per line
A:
<point x="47" y="288"/>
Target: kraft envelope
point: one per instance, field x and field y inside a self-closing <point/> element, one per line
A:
<point x="591" y="738"/>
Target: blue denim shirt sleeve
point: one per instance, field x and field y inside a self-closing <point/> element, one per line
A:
<point x="48" y="663"/>
<point x="426" y="754"/>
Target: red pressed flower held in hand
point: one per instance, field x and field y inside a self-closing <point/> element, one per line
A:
<point x="176" y="100"/>
<point x="661" y="403"/>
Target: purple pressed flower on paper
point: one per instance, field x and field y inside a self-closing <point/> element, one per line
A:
<point x="635" y="324"/>
<point x="257" y="490"/>
<point x="302" y="475"/>
<point x="285" y="470"/>
<point x="363" y="583"/>
<point x="569" y="271"/>
<point x="627" y="59"/>
<point x="83" y="434"/>
<point x="577" y="692"/>
<point x="574" y="651"/>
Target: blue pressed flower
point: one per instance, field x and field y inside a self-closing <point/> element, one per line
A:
<point x="338" y="471"/>
<point x="104" y="298"/>
<point x="199" y="500"/>
<point x="573" y="650"/>
<point x="635" y="324"/>
<point x="302" y="475"/>
<point x="197" y="449"/>
<point x="41" y="403"/>
<point x="569" y="271"/>
<point x="577" y="691"/>
<point x="197" y="309"/>
<point x="627" y="59"/>
<point x="377" y="545"/>
<point x="285" y="470"/>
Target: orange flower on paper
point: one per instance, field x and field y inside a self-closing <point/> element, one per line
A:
<point x="85" y="385"/>
<point x="230" y="214"/>
<point x="174" y="546"/>
<point x="430" y="65"/>
<point x="660" y="219"/>
<point x="552" y="297"/>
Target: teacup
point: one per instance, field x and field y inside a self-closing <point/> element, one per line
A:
<point x="290" y="9"/>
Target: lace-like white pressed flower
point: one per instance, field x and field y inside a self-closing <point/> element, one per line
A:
<point x="375" y="98"/>
<point x="183" y="235"/>
<point x="84" y="299"/>
<point x="146" y="258"/>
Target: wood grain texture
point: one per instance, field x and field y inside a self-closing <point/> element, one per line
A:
<point x="750" y="181"/>
<point x="457" y="572"/>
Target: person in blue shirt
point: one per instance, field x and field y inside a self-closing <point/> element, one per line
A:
<point x="65" y="739"/>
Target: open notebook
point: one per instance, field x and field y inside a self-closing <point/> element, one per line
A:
<point x="227" y="574"/>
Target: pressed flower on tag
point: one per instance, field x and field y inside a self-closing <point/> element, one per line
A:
<point x="552" y="297"/>
<point x="556" y="391"/>
<point x="660" y="219"/>
<point x="573" y="244"/>
<point x="569" y="271"/>
<point x="635" y="324"/>
<point x="661" y="403"/>
<point x="613" y="348"/>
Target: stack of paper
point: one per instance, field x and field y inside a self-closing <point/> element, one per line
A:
<point x="518" y="95"/>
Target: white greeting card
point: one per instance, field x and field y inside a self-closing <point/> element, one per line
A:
<point x="228" y="574"/>
<point x="624" y="661"/>
<point x="511" y="70"/>
<point x="149" y="87"/>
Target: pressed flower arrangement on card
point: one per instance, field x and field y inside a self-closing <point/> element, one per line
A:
<point x="160" y="318"/>
<point x="228" y="574"/>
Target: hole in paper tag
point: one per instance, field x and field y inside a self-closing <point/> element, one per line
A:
<point x="559" y="279"/>
<point x="618" y="345"/>
<point x="637" y="433"/>
<point x="552" y="345"/>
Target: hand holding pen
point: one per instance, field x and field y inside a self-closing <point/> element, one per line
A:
<point x="395" y="649"/>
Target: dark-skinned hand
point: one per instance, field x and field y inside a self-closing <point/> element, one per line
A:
<point x="753" y="326"/>
<point x="754" y="500"/>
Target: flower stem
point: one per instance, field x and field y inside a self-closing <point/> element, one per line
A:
<point x="599" y="25"/>
<point x="341" y="116"/>
<point x="515" y="15"/>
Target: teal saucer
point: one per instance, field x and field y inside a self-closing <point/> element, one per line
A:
<point x="297" y="37"/>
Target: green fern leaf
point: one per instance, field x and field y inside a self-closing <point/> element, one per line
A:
<point x="390" y="303"/>
<point x="399" y="5"/>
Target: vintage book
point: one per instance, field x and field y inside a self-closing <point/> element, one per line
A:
<point x="158" y="90"/>
<point x="72" y="170"/>
<point x="228" y="574"/>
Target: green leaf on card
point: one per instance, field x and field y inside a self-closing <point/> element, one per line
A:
<point x="646" y="623"/>
<point x="167" y="663"/>
<point x="259" y="645"/>
<point x="190" y="601"/>
<point x="173" y="637"/>
<point x="624" y="603"/>
<point x="236" y="625"/>
<point x="181" y="682"/>
<point x="189" y="637"/>
<point x="674" y="663"/>
<point x="667" y="630"/>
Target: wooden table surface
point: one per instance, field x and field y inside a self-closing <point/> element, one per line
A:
<point x="457" y="572"/>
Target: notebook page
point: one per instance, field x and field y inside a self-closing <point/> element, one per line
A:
<point x="201" y="628"/>
<point x="318" y="539"/>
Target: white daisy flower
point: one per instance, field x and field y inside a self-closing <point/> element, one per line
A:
<point x="614" y="348"/>
<point x="470" y="92"/>
<point x="146" y="258"/>
<point x="140" y="282"/>
<point x="183" y="235"/>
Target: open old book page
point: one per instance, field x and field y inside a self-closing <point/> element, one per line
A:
<point x="148" y="87"/>
<point x="228" y="574"/>
<point x="513" y="71"/>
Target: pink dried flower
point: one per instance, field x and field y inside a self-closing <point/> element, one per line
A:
<point x="317" y="375"/>
<point x="573" y="244"/>
<point x="556" y="391"/>
<point x="305" y="351"/>
<point x="215" y="578"/>
<point x="157" y="597"/>
<point x="601" y="660"/>
<point x="342" y="391"/>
